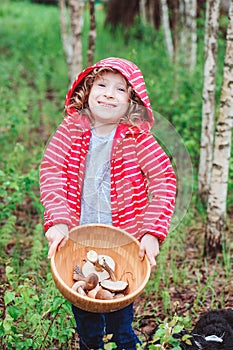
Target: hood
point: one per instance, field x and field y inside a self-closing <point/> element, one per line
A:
<point x="131" y="73"/>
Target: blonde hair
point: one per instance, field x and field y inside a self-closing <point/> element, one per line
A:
<point x="136" y="112"/>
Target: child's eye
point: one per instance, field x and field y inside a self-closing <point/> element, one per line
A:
<point x="121" y="89"/>
<point x="101" y="84"/>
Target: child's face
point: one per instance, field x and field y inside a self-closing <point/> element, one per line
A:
<point x="109" y="98"/>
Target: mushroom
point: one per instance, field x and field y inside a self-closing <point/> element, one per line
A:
<point x="92" y="256"/>
<point x="102" y="261"/>
<point x="95" y="264"/>
<point x="89" y="282"/>
<point x="118" y="296"/>
<point x="92" y="293"/>
<point x="114" y="286"/>
<point x="104" y="264"/>
<point x="95" y="273"/>
<point x="104" y="294"/>
<point x="79" y="287"/>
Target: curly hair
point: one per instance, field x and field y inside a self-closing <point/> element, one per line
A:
<point x="136" y="112"/>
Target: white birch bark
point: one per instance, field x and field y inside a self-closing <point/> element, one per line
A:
<point x="167" y="29"/>
<point x="76" y="23"/>
<point x="192" y="28"/>
<point x="182" y="26"/>
<point x="188" y="33"/>
<point x="71" y="22"/>
<point x="207" y="25"/>
<point x="216" y="211"/>
<point x="208" y="96"/>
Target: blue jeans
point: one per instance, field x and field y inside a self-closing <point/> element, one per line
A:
<point x="91" y="328"/>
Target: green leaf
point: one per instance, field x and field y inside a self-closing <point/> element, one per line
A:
<point x="110" y="346"/>
<point x="14" y="312"/>
<point x="178" y="328"/>
<point x="1" y="331"/>
<point x="9" y="271"/>
<point x="57" y="302"/>
<point x="7" y="324"/>
<point x="9" y="297"/>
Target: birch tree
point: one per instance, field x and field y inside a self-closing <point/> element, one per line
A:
<point x="216" y="211"/>
<point x="167" y="29"/>
<point x="192" y="26"/>
<point x="188" y="32"/>
<point x="208" y="96"/>
<point x="76" y="21"/>
<point x="71" y="31"/>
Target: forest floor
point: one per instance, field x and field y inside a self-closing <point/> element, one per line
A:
<point x="208" y="284"/>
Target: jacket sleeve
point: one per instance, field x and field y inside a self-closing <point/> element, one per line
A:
<point x="53" y="177"/>
<point x="161" y="179"/>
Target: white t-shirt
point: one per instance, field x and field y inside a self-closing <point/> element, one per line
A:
<point x="95" y="201"/>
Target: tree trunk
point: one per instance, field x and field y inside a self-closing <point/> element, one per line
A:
<point x="183" y="43"/>
<point x="175" y="29"/>
<point x="192" y="28"/>
<point x="167" y="29"/>
<point x="65" y="35"/>
<point x="150" y="12"/>
<point x="208" y="95"/>
<point x="71" y="30"/>
<point x="188" y="33"/>
<point x="142" y="11"/>
<point x="92" y="34"/>
<point x="76" y="23"/>
<point x="216" y="211"/>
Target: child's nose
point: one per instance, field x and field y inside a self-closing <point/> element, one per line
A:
<point x="109" y="93"/>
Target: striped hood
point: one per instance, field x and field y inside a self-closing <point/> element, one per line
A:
<point x="131" y="73"/>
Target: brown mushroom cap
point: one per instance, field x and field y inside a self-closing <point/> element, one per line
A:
<point x="104" y="294"/>
<point x="92" y="293"/>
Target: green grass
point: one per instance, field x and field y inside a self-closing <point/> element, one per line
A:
<point x="33" y="85"/>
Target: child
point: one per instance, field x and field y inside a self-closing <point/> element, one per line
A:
<point x="104" y="166"/>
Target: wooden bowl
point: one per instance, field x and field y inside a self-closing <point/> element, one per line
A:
<point x="107" y="240"/>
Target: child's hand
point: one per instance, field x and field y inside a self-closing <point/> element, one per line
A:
<point x="149" y="246"/>
<point x="56" y="236"/>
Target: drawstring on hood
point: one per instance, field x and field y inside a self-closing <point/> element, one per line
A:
<point x="129" y="71"/>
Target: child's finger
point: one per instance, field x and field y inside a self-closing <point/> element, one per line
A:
<point x="52" y="249"/>
<point x="152" y="261"/>
<point x="62" y="243"/>
<point x="141" y="253"/>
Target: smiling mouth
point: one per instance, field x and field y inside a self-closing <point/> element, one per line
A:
<point x="107" y="105"/>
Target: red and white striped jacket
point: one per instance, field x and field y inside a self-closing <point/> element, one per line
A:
<point x="143" y="184"/>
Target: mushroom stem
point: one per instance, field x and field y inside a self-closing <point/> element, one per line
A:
<point x="100" y="263"/>
<point x="93" y="257"/>
<point x="106" y="267"/>
<point x="79" y="287"/>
